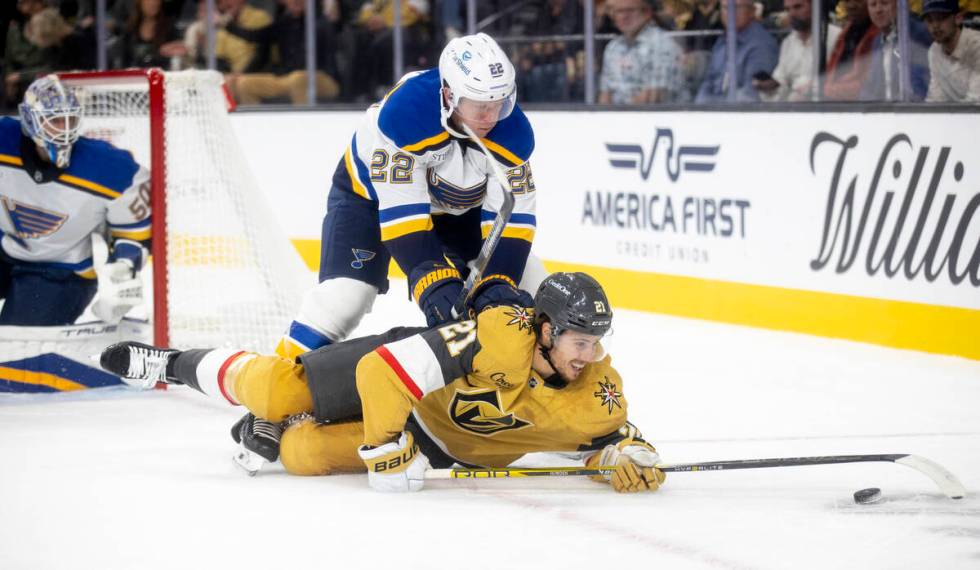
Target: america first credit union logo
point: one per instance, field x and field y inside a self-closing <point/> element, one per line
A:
<point x="687" y="158"/>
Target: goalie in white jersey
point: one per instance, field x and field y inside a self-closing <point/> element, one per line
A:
<point x="413" y="187"/>
<point x="57" y="189"/>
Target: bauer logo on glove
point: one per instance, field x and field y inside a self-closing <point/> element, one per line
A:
<point x="394" y="463"/>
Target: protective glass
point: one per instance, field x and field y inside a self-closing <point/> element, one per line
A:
<point x="578" y="346"/>
<point x="485" y="112"/>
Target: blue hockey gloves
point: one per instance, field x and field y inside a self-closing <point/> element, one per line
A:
<point x="495" y="290"/>
<point x="435" y="287"/>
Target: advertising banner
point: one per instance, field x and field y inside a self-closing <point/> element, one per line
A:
<point x="853" y="225"/>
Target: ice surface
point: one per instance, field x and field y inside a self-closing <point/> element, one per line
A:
<point x="128" y="480"/>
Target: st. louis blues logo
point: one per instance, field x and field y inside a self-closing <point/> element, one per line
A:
<point x="453" y="197"/>
<point x="689" y="158"/>
<point x="360" y="256"/>
<point x="608" y="395"/>
<point x="31" y="222"/>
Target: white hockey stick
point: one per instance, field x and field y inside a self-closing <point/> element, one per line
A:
<point x="496" y="230"/>
<point x="943" y="478"/>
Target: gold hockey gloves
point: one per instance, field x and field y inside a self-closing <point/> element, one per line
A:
<point x="635" y="462"/>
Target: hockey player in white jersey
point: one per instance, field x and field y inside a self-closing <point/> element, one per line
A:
<point x="57" y="189"/>
<point x="413" y="187"/>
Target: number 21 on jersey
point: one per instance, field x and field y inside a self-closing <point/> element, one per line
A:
<point x="458" y="336"/>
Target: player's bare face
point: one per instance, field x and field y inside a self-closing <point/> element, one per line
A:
<point x="573" y="351"/>
<point x="480" y="116"/>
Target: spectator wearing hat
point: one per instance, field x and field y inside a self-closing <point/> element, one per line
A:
<point x="954" y="57"/>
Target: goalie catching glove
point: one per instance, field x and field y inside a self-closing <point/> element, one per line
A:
<point x="635" y="461"/>
<point x="395" y="467"/>
<point x="120" y="289"/>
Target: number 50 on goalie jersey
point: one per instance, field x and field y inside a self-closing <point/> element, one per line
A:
<point x="470" y="387"/>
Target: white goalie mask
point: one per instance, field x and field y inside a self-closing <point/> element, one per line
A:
<point x="480" y="80"/>
<point x="51" y="116"/>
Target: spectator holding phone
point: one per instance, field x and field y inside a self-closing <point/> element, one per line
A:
<point x="755" y="50"/>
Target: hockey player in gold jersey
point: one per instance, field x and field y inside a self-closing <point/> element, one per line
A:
<point x="480" y="392"/>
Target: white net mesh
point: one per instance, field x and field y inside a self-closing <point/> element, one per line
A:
<point x="234" y="278"/>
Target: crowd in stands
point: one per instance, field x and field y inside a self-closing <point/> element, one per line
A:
<point x="647" y="51"/>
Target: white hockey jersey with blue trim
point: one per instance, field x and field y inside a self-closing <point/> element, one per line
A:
<point x="47" y="215"/>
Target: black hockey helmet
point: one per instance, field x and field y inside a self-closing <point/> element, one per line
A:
<point x="573" y="301"/>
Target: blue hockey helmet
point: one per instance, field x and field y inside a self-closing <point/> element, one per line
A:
<point x="51" y="116"/>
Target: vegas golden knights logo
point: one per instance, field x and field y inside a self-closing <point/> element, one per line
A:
<point x="481" y="413"/>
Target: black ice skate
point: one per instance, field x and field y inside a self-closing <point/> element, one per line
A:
<point x="259" y="440"/>
<point x="138" y="364"/>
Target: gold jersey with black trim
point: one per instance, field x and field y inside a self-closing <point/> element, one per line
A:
<point x="470" y="388"/>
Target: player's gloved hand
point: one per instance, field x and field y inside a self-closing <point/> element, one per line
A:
<point x="120" y="289"/>
<point x="395" y="467"/>
<point x="635" y="462"/>
<point x="496" y="290"/>
<point x="435" y="286"/>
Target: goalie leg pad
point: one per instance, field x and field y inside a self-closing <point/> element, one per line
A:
<point x="312" y="448"/>
<point x="271" y="387"/>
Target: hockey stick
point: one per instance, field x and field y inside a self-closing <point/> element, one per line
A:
<point x="496" y="230"/>
<point x="943" y="478"/>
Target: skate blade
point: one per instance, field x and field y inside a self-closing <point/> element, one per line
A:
<point x="249" y="462"/>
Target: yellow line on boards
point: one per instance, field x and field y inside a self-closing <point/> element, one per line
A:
<point x="898" y="324"/>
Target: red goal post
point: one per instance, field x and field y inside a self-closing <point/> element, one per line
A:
<point x="223" y="272"/>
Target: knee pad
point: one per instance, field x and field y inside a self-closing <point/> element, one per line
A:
<point x="272" y="388"/>
<point x="311" y="448"/>
<point x="335" y="306"/>
<point x="534" y="274"/>
<point x="330" y="311"/>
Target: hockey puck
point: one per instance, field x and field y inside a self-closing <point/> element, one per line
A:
<point x="867" y="496"/>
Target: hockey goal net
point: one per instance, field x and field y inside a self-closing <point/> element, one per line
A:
<point x="223" y="272"/>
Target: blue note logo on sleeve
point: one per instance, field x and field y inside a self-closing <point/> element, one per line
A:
<point x="360" y="256"/>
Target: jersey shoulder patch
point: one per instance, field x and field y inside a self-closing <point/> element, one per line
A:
<point x="100" y="167"/>
<point x="506" y="339"/>
<point x="410" y="116"/>
<point x="601" y="387"/>
<point x="512" y="140"/>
